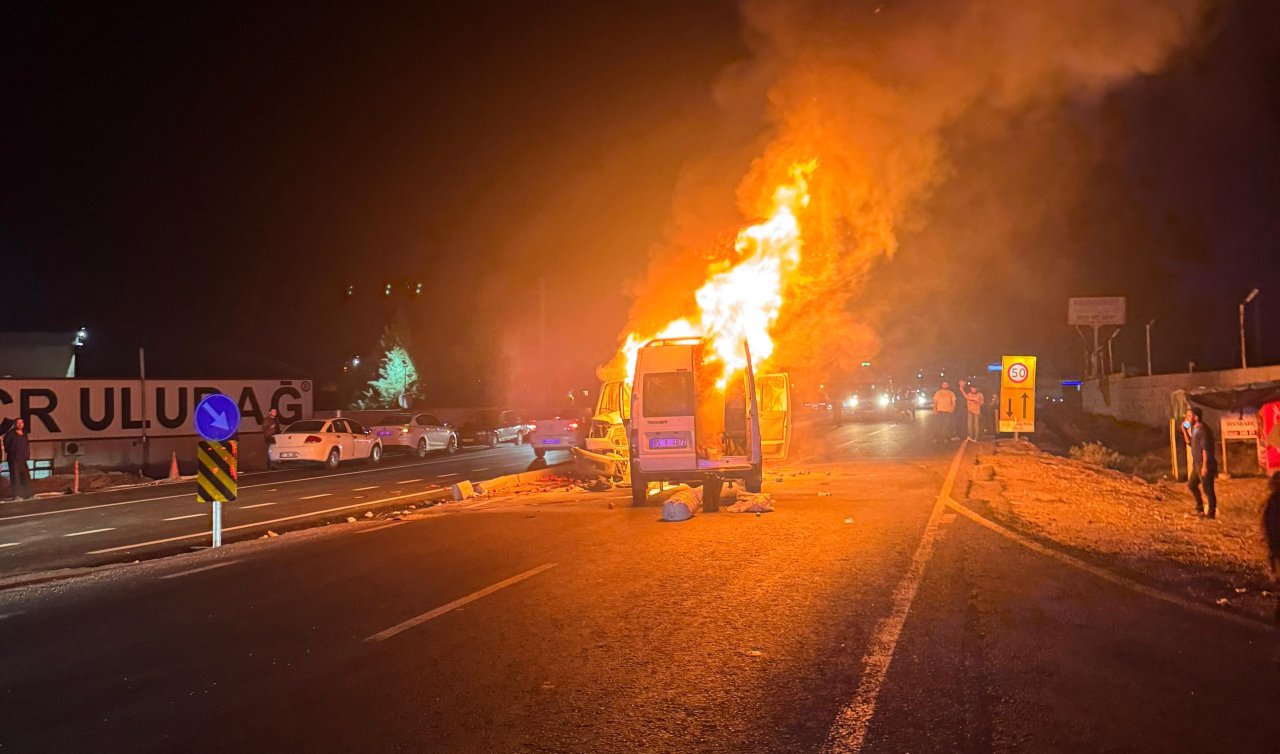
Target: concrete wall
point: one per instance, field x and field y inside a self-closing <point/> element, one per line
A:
<point x="1146" y="400"/>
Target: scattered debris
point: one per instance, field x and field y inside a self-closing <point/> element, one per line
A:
<point x="1221" y="601"/>
<point x="351" y="519"/>
<point x="849" y="520"/>
<point x="463" y="490"/>
<point x="682" y="505"/>
<point x="1241" y="589"/>
<point x="368" y="514"/>
<point x="272" y="534"/>
<point x="823" y="493"/>
<point x="753" y="653"/>
<point x="748" y="502"/>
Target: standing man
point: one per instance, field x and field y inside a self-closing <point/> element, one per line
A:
<point x="270" y="428"/>
<point x="944" y="405"/>
<point x="1204" y="466"/>
<point x="974" y="401"/>
<point x="17" y="449"/>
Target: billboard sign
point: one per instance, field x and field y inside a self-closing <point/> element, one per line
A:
<point x="1096" y="311"/>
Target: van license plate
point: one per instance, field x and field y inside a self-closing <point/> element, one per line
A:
<point x="657" y="443"/>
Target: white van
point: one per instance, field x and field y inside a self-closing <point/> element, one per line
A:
<point x="685" y="428"/>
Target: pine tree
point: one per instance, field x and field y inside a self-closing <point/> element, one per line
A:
<point x="397" y="375"/>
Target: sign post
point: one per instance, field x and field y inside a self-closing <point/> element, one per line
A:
<point x="217" y="419"/>
<point x="1096" y="312"/>
<point x="1018" y="394"/>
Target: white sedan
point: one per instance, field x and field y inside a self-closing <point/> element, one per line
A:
<point x="326" y="441"/>
<point x="421" y="433"/>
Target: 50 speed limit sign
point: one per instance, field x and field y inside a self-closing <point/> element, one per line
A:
<point x="1017" y="405"/>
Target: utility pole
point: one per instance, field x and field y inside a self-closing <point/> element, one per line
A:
<point x="542" y="336"/>
<point x="1244" y="361"/>
<point x="1149" y="324"/>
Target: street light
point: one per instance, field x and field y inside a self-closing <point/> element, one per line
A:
<point x="1149" y="324"/>
<point x="1244" y="360"/>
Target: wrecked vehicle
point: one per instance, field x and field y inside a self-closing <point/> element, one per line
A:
<point x="689" y="425"/>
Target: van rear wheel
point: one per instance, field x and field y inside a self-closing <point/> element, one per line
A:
<point x="755" y="479"/>
<point x="639" y="489"/>
<point x="711" y="495"/>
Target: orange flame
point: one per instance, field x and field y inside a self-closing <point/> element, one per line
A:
<point x="740" y="300"/>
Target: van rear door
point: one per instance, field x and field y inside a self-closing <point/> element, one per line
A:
<point x="775" y="415"/>
<point x="663" y="401"/>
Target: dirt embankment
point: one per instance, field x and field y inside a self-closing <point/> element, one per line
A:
<point x="1148" y="531"/>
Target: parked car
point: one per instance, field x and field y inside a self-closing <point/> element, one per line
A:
<point x="420" y="433"/>
<point x="326" y="441"/>
<point x="491" y="426"/>
<point x="555" y="429"/>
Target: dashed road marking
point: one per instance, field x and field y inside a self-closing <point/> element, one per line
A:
<point x="199" y="570"/>
<point x="362" y="489"/>
<point x="9" y="544"/>
<point x="89" y="531"/>
<point x="408" y="481"/>
<point x="313" y="497"/>
<point x="179" y="518"/>
<point x="256" y="505"/>
<point x="446" y="476"/>
<point x="308" y="514"/>
<point x="436" y="613"/>
<point x="380" y="528"/>
<point x="849" y="730"/>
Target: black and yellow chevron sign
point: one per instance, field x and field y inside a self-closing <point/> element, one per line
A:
<point x="216" y="472"/>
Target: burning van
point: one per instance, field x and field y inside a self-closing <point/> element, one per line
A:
<point x="691" y="422"/>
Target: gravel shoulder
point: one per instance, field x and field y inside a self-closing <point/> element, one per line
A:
<point x="1149" y="532"/>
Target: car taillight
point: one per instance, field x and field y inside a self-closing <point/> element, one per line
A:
<point x="573" y="425"/>
<point x="312" y="438"/>
<point x="404" y="430"/>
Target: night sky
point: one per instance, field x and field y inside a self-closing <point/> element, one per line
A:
<point x="206" y="182"/>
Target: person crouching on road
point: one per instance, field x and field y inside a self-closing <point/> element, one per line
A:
<point x="974" y="402"/>
<point x="17" y="449"/>
<point x="270" y="428"/>
<point x="944" y="405"/>
<point x="1204" y="465"/>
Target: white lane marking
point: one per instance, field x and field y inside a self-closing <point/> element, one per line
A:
<point x="486" y="468"/>
<point x="849" y="730"/>
<point x="255" y="505"/>
<point x="308" y="514"/>
<point x="242" y="487"/>
<point x="9" y="544"/>
<point x="362" y="489"/>
<point x="199" y="570"/>
<point x="380" y="528"/>
<point x="445" y="476"/>
<point x="90" y="531"/>
<point x="313" y="497"/>
<point x="408" y="481"/>
<point x="1106" y="575"/>
<point x="189" y="515"/>
<point x="436" y="613"/>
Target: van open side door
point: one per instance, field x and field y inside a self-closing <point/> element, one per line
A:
<point x="775" y="415"/>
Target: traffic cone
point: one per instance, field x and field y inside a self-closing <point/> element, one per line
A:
<point x="173" y="468"/>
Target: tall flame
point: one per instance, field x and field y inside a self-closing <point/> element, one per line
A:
<point x="741" y="298"/>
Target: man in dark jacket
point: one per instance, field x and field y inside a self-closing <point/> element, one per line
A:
<point x="270" y="428"/>
<point x="17" y="450"/>
<point x="1204" y="464"/>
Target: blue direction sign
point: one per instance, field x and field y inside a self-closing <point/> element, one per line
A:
<point x="217" y="418"/>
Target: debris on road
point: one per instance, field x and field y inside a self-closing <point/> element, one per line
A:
<point x="368" y="514"/>
<point x="682" y="505"/>
<point x="352" y="519"/>
<point x="823" y="493"/>
<point x="849" y="520"/>
<point x="749" y="502"/>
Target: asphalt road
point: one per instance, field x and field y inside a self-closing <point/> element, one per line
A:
<point x="870" y="619"/>
<point x="92" y="529"/>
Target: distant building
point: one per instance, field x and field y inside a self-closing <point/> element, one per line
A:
<point x="38" y="355"/>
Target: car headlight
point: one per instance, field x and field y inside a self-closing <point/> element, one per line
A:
<point x="851" y="402"/>
<point x="921" y="400"/>
<point x="882" y="401"/>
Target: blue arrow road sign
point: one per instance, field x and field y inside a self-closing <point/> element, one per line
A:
<point x="217" y="418"/>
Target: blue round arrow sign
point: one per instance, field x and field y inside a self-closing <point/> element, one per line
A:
<point x="217" y="418"/>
